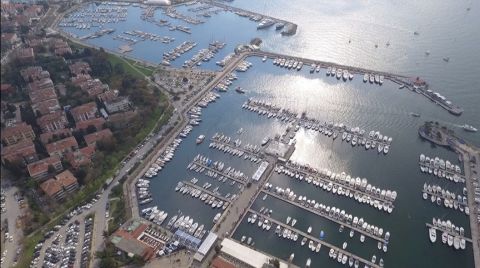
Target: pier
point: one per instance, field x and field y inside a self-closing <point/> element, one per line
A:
<point x="323" y="243"/>
<point x="219" y="172"/>
<point x="346" y="224"/>
<point x="448" y="232"/>
<point x="217" y="196"/>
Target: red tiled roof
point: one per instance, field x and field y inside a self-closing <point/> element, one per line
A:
<point x="42" y="165"/>
<point x="97" y="122"/>
<point x="66" y="178"/>
<point x="97" y="136"/>
<point x="61" y="145"/>
<point x="51" y="187"/>
<point x="84" y="112"/>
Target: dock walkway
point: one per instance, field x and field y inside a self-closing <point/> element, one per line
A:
<point x="443" y="198"/>
<point x="326" y="217"/>
<point x="323" y="243"/>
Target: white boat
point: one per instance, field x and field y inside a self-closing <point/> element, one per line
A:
<point x="309" y="261"/>
<point x="469" y="128"/>
<point x="318" y="247"/>
<point x="200" y="139"/>
<point x="309" y="229"/>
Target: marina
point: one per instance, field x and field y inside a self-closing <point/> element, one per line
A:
<point x="215" y="118"/>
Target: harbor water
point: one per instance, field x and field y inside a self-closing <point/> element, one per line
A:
<point x="445" y="29"/>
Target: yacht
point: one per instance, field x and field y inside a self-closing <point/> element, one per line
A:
<point x="365" y="78"/>
<point x="239" y="90"/>
<point x="304" y="240"/>
<point x="265" y="141"/>
<point x="317" y="248"/>
<point x="309" y="261"/>
<point x="309" y="229"/>
<point x="469" y="128"/>
<point x="444" y="237"/>
<point x="200" y="139"/>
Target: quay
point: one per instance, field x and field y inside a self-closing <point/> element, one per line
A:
<point x="326" y="244"/>
<point x="461" y="178"/>
<point x="469" y="154"/>
<point x="352" y="189"/>
<point x="448" y="232"/>
<point x="219" y="172"/>
<point x="217" y="196"/>
<point x="346" y="224"/>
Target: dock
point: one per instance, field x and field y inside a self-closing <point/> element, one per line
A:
<point x="219" y="172"/>
<point x="448" y="232"/>
<point x="461" y="178"/>
<point x="323" y="243"/>
<point x="437" y="195"/>
<point x="233" y="147"/>
<point x="346" y="224"/>
<point x="217" y="196"/>
<point x="352" y="189"/>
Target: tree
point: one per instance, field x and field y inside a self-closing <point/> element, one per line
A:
<point x="91" y="129"/>
<point x="51" y="169"/>
<point x="119" y="69"/>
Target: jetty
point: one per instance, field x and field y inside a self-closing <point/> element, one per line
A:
<point x="326" y="216"/>
<point x="460" y="179"/>
<point x="322" y="242"/>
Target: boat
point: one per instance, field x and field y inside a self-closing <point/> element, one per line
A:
<point x="309" y="261"/>
<point x="239" y="90"/>
<point x="217" y="217"/>
<point x="265" y="141"/>
<point x="264" y="58"/>
<point x="309" y="229"/>
<point x="344" y="246"/>
<point x="249" y="240"/>
<point x="243" y="239"/>
<point x="469" y="128"/>
<point x="415" y="114"/>
<point x="365" y="78"/>
<point x="200" y="139"/>
<point x="456" y="242"/>
<point x="449" y="240"/>
<point x="304" y="240"/>
<point x="444" y="237"/>
<point x="290" y="259"/>
<point x="318" y="247"/>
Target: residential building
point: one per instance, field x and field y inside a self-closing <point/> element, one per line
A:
<point x="52" y="122"/>
<point x="80" y="157"/>
<point x="20" y="132"/>
<point x="39" y="170"/>
<point x="93" y="138"/>
<point x="84" y="112"/>
<point x="96" y="122"/>
<point x="119" y="104"/>
<point x="23" y="152"/>
<point x="57" y="188"/>
<point x="58" y="134"/>
<point x="61" y="147"/>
